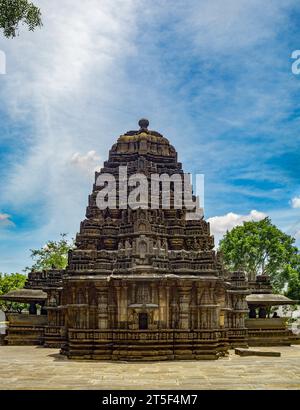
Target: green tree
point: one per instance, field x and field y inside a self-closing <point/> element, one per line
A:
<point x="16" y="12"/>
<point x="260" y="248"/>
<point x="293" y="281"/>
<point x="54" y="255"/>
<point x="11" y="282"/>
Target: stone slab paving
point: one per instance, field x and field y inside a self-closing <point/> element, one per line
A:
<point x="29" y="367"/>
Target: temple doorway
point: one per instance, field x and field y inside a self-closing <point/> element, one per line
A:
<point x="143" y="321"/>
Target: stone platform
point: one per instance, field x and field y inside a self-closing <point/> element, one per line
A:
<point x="250" y="352"/>
<point x="34" y="367"/>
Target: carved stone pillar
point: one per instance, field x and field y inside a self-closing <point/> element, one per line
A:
<point x="154" y="293"/>
<point x="252" y="312"/>
<point x="87" y="310"/>
<point x="155" y="300"/>
<point x="122" y="306"/>
<point x="112" y="308"/>
<point x="184" y="301"/>
<point x="32" y="308"/>
<point x="133" y="291"/>
<point x="167" y="288"/>
<point x="174" y="316"/>
<point x="162" y="308"/>
<point x="118" y="291"/>
<point x="208" y="309"/>
<point x="262" y="313"/>
<point x="73" y="295"/>
<point x="103" y="307"/>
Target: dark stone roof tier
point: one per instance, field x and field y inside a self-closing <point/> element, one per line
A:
<point x="25" y="295"/>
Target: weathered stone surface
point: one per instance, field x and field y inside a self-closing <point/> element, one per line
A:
<point x="2" y="339"/>
<point x="25" y="329"/>
<point x="250" y="352"/>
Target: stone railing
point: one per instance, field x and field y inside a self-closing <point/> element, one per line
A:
<point x="52" y="330"/>
<point x="267" y="323"/>
<point x="144" y="335"/>
<point x="23" y="319"/>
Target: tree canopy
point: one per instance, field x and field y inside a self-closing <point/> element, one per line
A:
<point x="16" y="12"/>
<point x="54" y="255"/>
<point x="260" y="248"/>
<point x="292" y="275"/>
<point x="11" y="282"/>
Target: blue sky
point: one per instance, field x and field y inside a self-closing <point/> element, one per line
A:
<point x="214" y="76"/>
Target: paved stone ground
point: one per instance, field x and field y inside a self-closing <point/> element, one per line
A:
<point x="40" y="368"/>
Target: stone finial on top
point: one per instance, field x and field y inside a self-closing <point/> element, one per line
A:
<point x="143" y="123"/>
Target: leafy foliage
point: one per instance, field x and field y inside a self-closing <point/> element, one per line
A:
<point x="261" y="248"/>
<point x="14" y="12"/>
<point x="54" y="255"/>
<point x="293" y="275"/>
<point x="11" y="282"/>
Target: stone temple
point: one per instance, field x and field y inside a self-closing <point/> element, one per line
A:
<point x="141" y="283"/>
<point x="146" y="283"/>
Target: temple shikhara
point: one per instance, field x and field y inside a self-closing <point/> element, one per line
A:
<point x="145" y="283"/>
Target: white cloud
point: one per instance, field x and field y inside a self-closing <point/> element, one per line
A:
<point x="61" y="80"/>
<point x="295" y="202"/>
<point x="5" y="221"/>
<point x="221" y="224"/>
<point x="88" y="162"/>
<point x="233" y="25"/>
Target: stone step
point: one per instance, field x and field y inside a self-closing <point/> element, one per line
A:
<point x="2" y="339"/>
<point x="248" y="352"/>
<point x="295" y="339"/>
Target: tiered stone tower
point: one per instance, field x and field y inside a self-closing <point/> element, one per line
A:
<point x="145" y="283"/>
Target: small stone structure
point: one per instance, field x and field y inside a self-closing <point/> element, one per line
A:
<point x="263" y="328"/>
<point x="26" y="328"/>
<point x="249" y="352"/>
